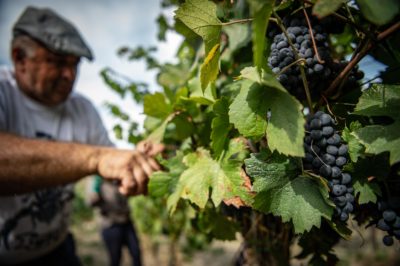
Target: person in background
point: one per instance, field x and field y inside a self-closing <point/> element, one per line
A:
<point x="117" y="228"/>
<point x="51" y="137"/>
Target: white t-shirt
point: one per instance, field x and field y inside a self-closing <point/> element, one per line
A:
<point x="33" y="224"/>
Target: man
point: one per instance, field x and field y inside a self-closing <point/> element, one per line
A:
<point x="51" y="137"/>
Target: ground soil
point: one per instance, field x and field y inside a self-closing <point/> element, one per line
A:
<point x="363" y="249"/>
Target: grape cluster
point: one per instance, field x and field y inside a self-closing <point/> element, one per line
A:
<point x="282" y="55"/>
<point x="389" y="220"/>
<point x="326" y="154"/>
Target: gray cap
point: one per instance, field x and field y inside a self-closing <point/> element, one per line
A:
<point x="53" y="31"/>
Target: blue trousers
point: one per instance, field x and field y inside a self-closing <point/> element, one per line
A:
<point x="63" y="255"/>
<point x="117" y="236"/>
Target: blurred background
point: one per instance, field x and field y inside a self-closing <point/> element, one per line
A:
<point x="107" y="26"/>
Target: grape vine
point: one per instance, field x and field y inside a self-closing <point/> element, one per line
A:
<point x="266" y="113"/>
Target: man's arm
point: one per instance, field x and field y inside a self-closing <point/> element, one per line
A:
<point x="29" y="164"/>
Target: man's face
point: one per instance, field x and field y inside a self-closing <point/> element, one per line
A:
<point x="47" y="77"/>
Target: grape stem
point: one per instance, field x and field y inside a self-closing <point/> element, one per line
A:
<point x="356" y="58"/>
<point x="278" y="21"/>
<point x="312" y="37"/>
<point x="300" y="60"/>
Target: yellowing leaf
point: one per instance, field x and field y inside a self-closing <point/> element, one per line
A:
<point x="209" y="69"/>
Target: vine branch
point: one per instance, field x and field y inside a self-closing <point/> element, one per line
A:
<point x="310" y="30"/>
<point x="354" y="61"/>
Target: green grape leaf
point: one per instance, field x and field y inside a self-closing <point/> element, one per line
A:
<point x="379" y="12"/>
<point x="238" y="34"/>
<point x="282" y="192"/>
<point x="261" y="11"/>
<point x="248" y="112"/>
<point x="201" y="17"/>
<point x="260" y="96"/>
<point x="156" y="105"/>
<point x="368" y="192"/>
<point x="205" y="97"/>
<point x="164" y="183"/>
<point x="365" y="172"/>
<point x="381" y="100"/>
<point x="204" y="174"/>
<point x="323" y="8"/>
<point x="355" y="147"/>
<point x="220" y="126"/>
<point x="157" y="135"/>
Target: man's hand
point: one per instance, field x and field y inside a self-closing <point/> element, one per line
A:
<point x="131" y="168"/>
<point x="149" y="148"/>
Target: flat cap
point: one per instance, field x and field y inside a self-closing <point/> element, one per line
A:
<point x="53" y="31"/>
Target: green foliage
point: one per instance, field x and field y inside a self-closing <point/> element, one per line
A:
<point x="379" y="12"/>
<point x="234" y="134"/>
<point x="381" y="100"/>
<point x="281" y="190"/>
<point x="323" y="8"/>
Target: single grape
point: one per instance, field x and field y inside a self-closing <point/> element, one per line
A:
<point x="325" y="170"/>
<point x="346" y="178"/>
<point x="336" y="172"/>
<point x="343" y="149"/>
<point x="389" y="216"/>
<point x="333" y="150"/>
<point x="339" y="190"/>
<point x="329" y="159"/>
<point x="388" y="240"/>
<point x="340" y="161"/>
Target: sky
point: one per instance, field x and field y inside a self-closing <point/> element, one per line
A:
<point x="106" y="25"/>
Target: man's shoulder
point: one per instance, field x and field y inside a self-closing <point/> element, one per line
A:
<point x="78" y="98"/>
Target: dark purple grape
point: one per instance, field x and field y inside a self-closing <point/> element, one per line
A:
<point x="389" y="216"/>
<point x="340" y="201"/>
<point x="308" y="157"/>
<point x="316" y="134"/>
<point x="316" y="163"/>
<point x="315" y="123"/>
<point x="334" y="140"/>
<point x="387" y="240"/>
<point x="327" y="131"/>
<point x="336" y="172"/>
<point x="346" y="178"/>
<point x="349" y="197"/>
<point x="344" y="216"/>
<point x="333" y="150"/>
<point x="339" y="190"/>
<point x="326" y="119"/>
<point x="348" y="208"/>
<point x="329" y="159"/>
<point x="340" y="161"/>
<point x="383" y="225"/>
<point x="325" y="170"/>
<point x="343" y="149"/>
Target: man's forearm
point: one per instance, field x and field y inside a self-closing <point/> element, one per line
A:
<point x="29" y="164"/>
